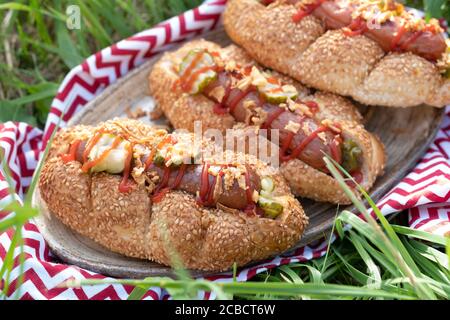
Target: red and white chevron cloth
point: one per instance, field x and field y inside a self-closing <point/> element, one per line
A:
<point x="425" y="191"/>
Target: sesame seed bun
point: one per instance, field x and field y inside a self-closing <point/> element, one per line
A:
<point x="183" y="109"/>
<point x="177" y="227"/>
<point x="328" y="60"/>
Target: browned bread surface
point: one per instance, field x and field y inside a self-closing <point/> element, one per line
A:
<point x="329" y="60"/>
<point x="129" y="223"/>
<point x="303" y="179"/>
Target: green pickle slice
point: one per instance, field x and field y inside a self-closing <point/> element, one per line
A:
<point x="275" y="94"/>
<point x="266" y="201"/>
<point x="351" y="153"/>
<point x="204" y="78"/>
<point x="159" y="158"/>
<point x="271" y="208"/>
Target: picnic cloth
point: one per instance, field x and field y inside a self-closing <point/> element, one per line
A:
<point x="424" y="192"/>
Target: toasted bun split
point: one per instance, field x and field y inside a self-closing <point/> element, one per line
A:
<point x="177" y="227"/>
<point x="183" y="109"/>
<point x="354" y="66"/>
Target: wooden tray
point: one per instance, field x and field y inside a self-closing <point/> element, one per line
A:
<point x="406" y="134"/>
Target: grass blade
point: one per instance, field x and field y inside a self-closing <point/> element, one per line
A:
<point x="279" y="289"/>
<point x="138" y="293"/>
<point x="419" y="234"/>
<point x="389" y="243"/>
<point x="374" y="272"/>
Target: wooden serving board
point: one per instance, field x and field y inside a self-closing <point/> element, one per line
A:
<point x="406" y="134"/>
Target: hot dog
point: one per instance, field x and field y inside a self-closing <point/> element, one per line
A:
<point x="190" y="178"/>
<point x="202" y="81"/>
<point x="396" y="34"/>
<point x="113" y="183"/>
<point x="376" y="52"/>
<point x="277" y="118"/>
<point x="233" y="197"/>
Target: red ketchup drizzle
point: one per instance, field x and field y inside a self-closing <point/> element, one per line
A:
<point x="408" y="42"/>
<point x="306" y="11"/>
<point x="357" y="27"/>
<point x="251" y="208"/>
<point x="162" y="189"/>
<point x="206" y="194"/>
<point x="335" y="155"/>
<point x="221" y="107"/>
<point x="271" y="118"/>
<point x="71" y="155"/>
<point x="238" y="98"/>
<point x="187" y="73"/>
<point x="187" y="85"/>
<point x="124" y="186"/>
<point x="247" y="70"/>
<point x="179" y="176"/>
<point x="357" y="176"/>
<point x="158" y="196"/>
<point x="167" y="139"/>
<point x="298" y="150"/>
<point x="313" y="106"/>
<point x="91" y="143"/>
<point x="287" y="143"/>
<point x="92" y="163"/>
<point x="188" y="78"/>
<point x="395" y="42"/>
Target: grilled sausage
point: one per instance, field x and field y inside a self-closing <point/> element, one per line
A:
<point x="233" y="196"/>
<point x="343" y="136"/>
<point x="312" y="153"/>
<point x="191" y="178"/>
<point x="389" y="35"/>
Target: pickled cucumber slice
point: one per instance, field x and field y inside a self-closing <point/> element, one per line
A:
<point x="351" y="153"/>
<point x="158" y="159"/>
<point x="271" y="208"/>
<point x="266" y="200"/>
<point x="193" y="64"/>
<point x="277" y="94"/>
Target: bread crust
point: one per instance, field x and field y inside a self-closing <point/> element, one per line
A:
<point x="304" y="180"/>
<point x="329" y="60"/>
<point x="202" y="238"/>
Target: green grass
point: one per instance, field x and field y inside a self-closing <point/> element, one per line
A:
<point x="384" y="260"/>
<point x="374" y="260"/>
<point x="37" y="50"/>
